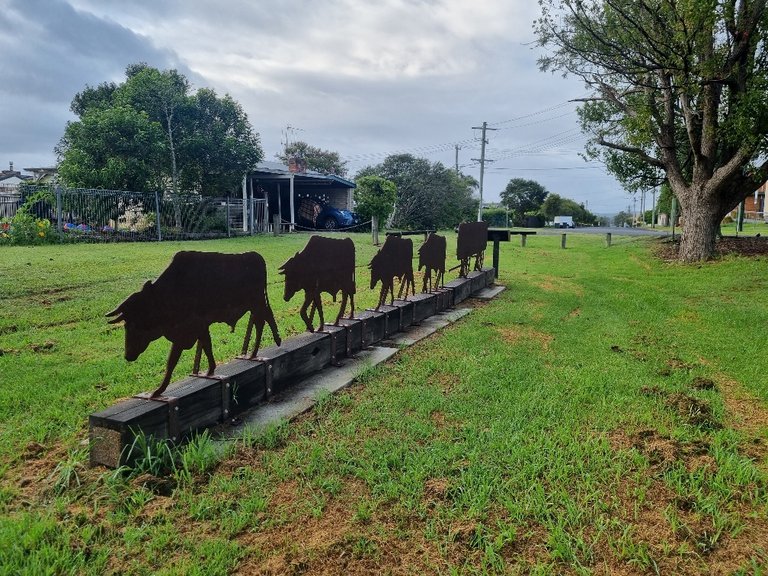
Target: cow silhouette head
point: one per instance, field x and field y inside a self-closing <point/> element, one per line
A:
<point x="291" y="271"/>
<point x="137" y="311"/>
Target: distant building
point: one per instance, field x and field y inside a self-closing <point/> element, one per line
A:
<point x="11" y="178"/>
<point x="754" y="205"/>
<point x="43" y="175"/>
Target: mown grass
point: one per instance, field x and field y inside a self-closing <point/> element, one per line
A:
<point x="562" y="428"/>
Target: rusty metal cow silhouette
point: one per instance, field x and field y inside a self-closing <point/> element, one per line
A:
<point x="324" y="265"/>
<point x="393" y="260"/>
<point x="432" y="259"/>
<point x="196" y="290"/>
<point x="472" y="241"/>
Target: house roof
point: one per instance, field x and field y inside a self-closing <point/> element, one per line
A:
<point x="270" y="171"/>
<point x="8" y="174"/>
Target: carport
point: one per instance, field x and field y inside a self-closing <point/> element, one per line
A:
<point x="275" y="188"/>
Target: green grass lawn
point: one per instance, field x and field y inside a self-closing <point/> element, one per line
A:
<point x="605" y="414"/>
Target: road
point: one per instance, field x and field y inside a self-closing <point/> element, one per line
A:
<point x="614" y="230"/>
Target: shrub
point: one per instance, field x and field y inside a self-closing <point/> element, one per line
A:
<point x="24" y="228"/>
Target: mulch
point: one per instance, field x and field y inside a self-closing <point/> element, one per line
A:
<point x="726" y="245"/>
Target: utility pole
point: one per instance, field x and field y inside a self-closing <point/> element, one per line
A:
<point x="634" y="210"/>
<point x="457" y="158"/>
<point x="482" y="161"/>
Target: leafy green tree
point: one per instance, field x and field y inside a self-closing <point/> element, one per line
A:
<point x="680" y="88"/>
<point x="375" y="196"/>
<point x="217" y="145"/>
<point x="622" y="218"/>
<point x="93" y="98"/>
<point x="150" y="130"/>
<point x="114" y="148"/>
<point x="664" y="203"/>
<point x="163" y="96"/>
<point x="521" y="196"/>
<point x="317" y="159"/>
<point x="556" y="205"/>
<point x="429" y="196"/>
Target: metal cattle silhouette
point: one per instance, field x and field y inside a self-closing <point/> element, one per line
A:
<point x="432" y="259"/>
<point x="393" y="260"/>
<point x="196" y="290"/>
<point x="324" y="265"/>
<point x="472" y="240"/>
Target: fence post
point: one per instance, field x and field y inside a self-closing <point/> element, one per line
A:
<point x="276" y="224"/>
<point x="157" y="217"/>
<point x="375" y="230"/>
<point x="522" y="240"/>
<point x="608" y="239"/>
<point x="59" y="224"/>
<point x="562" y="240"/>
<point x="229" y="231"/>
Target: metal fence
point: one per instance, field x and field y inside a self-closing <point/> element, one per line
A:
<point x="114" y="215"/>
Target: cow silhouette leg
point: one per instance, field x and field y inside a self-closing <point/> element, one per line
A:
<point x="196" y="363"/>
<point x="259" y="332"/>
<point x="173" y="359"/>
<point x="205" y="341"/>
<point x="382" y="294"/>
<point x="303" y="312"/>
<point x="270" y="317"/>
<point x="351" y="306"/>
<point x="247" y="339"/>
<point x="319" y="306"/>
<point x="343" y="307"/>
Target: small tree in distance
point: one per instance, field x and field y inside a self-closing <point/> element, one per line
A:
<point x="317" y="159"/>
<point x="521" y="196"/>
<point x="375" y="196"/>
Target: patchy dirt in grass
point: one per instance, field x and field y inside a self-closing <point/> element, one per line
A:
<point x="575" y="313"/>
<point x="559" y="285"/>
<point x="522" y="332"/>
<point x="694" y="411"/>
<point x="745" y="412"/>
<point x="338" y="541"/>
<point x="679" y="539"/>
<point x="444" y="381"/>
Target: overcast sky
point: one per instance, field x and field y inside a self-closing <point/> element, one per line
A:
<point x="361" y="79"/>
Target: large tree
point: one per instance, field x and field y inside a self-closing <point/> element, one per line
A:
<point x="317" y="159"/>
<point x="429" y="195"/>
<point x="113" y="148"/>
<point x="196" y="142"/>
<point x="521" y="196"/>
<point x="680" y="88"/>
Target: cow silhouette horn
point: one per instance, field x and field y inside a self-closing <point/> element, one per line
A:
<point x="114" y="312"/>
<point x="116" y="320"/>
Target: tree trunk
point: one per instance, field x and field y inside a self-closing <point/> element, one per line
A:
<point x="701" y="223"/>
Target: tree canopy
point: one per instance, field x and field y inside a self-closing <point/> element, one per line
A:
<point x="429" y="195"/>
<point x="678" y="90"/>
<point x="153" y="133"/>
<point x="521" y="196"/>
<point x="555" y="205"/>
<point x="375" y="196"/>
<point x="317" y="159"/>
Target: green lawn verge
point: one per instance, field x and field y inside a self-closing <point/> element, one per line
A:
<point x="605" y="414"/>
